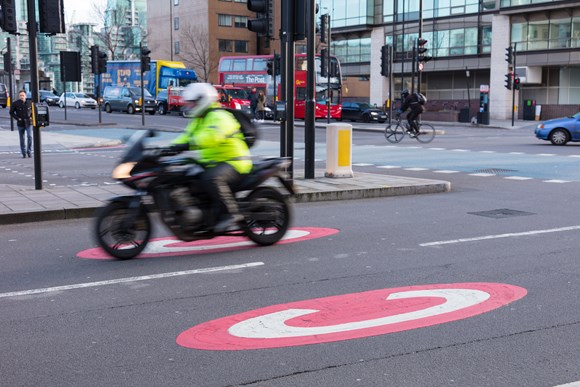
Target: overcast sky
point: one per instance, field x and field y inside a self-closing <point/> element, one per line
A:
<point x="79" y="11"/>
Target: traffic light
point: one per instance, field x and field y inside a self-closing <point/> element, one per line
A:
<point x="324" y="63"/>
<point x="102" y="63"/>
<point x="516" y="83"/>
<point x="509" y="55"/>
<point x="277" y="64"/>
<point x="145" y="59"/>
<point x="324" y="21"/>
<point x="421" y="50"/>
<point x="95" y="59"/>
<point x="51" y="14"/>
<point x="264" y="25"/>
<point x="385" y="61"/>
<point x="270" y="66"/>
<point x="508" y="81"/>
<point x="8" y="16"/>
<point x="7" y="62"/>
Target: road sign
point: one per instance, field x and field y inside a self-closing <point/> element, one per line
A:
<point x="170" y="246"/>
<point x="349" y="316"/>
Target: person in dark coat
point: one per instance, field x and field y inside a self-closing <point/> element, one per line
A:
<point x="253" y="102"/>
<point x="412" y="102"/>
<point x="21" y="111"/>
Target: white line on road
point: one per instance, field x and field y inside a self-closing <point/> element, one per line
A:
<point x="518" y="178"/>
<point x="508" y="235"/>
<point x="129" y="279"/>
<point x="573" y="384"/>
<point x="556" y="181"/>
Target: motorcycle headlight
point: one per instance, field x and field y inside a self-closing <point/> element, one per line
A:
<point x="123" y="171"/>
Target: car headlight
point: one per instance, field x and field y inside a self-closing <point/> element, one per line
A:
<point x="374" y="113"/>
<point x="123" y="171"/>
<point x="541" y="126"/>
<point x="237" y="106"/>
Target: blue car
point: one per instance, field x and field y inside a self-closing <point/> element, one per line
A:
<point x="560" y="130"/>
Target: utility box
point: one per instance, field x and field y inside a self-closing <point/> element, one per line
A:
<point x="464" y="115"/>
<point x="529" y="109"/>
<point x="339" y="150"/>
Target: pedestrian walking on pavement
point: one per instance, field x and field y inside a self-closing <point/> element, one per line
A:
<point x="21" y="111"/>
<point x="261" y="106"/>
<point x="253" y="103"/>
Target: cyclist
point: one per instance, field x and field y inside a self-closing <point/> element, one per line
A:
<point x="414" y="102"/>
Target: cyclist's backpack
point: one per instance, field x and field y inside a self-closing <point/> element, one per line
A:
<point x="421" y="99"/>
<point x="247" y="127"/>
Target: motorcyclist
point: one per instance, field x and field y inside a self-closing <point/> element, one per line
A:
<point x="216" y="135"/>
<point x="411" y="101"/>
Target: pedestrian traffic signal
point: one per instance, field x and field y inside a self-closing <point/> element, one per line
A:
<point x="516" y="83"/>
<point x="264" y="25"/>
<point x="7" y="62"/>
<point x="508" y="81"/>
<point x="324" y="63"/>
<point x="385" y="61"/>
<point x="102" y="66"/>
<point x="8" y="16"/>
<point x="145" y="59"/>
<point x="51" y="14"/>
<point x="324" y="24"/>
<point x="509" y="55"/>
<point x="95" y="59"/>
<point x="421" y="51"/>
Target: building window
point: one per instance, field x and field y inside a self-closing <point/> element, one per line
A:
<point x="176" y="23"/>
<point x="176" y="48"/>
<point x="241" y="21"/>
<point x="225" y="45"/>
<point x="224" y="20"/>
<point x="241" y="46"/>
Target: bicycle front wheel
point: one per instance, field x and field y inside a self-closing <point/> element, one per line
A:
<point x="426" y="133"/>
<point x="394" y="133"/>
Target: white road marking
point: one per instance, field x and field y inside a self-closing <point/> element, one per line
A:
<point x="388" y="166"/>
<point x="129" y="279"/>
<point x="546" y="154"/>
<point x="416" y="169"/>
<point x="556" y="181"/>
<point x="482" y="174"/>
<point x="439" y="149"/>
<point x="573" y="384"/>
<point x="459" y="150"/>
<point x="508" y="235"/>
<point x="574" y="156"/>
<point x="362" y="164"/>
<point x="487" y="151"/>
<point x="516" y="153"/>
<point x="518" y="178"/>
<point x="445" y="171"/>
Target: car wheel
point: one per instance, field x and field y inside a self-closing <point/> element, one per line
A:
<point x="151" y="112"/>
<point x="559" y="137"/>
<point x="108" y="108"/>
<point x="130" y="109"/>
<point x="162" y="109"/>
<point x="381" y="122"/>
<point x="366" y="118"/>
<point x="61" y="104"/>
<point x="77" y="105"/>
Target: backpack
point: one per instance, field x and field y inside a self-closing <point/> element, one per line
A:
<point x="247" y="127"/>
<point x="421" y="99"/>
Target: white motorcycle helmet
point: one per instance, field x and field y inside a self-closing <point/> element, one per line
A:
<point x="198" y="98"/>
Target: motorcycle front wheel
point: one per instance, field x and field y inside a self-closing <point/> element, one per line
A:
<point x="267" y="216"/>
<point x="118" y="237"/>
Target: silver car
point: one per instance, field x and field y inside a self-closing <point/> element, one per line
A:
<point x="78" y="100"/>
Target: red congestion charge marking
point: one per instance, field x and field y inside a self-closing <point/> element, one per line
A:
<point x="349" y="316"/>
<point x="163" y="247"/>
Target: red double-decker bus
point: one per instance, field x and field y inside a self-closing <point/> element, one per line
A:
<point x="251" y="71"/>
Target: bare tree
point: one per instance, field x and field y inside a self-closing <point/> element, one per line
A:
<point x="119" y="37"/>
<point x="196" y="51"/>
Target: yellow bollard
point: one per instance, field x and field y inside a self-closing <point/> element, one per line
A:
<point x="339" y="150"/>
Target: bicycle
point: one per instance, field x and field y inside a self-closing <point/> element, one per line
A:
<point x="396" y="131"/>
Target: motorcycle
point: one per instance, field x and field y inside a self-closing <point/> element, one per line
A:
<point x="169" y="184"/>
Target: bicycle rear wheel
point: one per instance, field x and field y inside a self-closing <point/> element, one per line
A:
<point x="426" y="133"/>
<point x="394" y="133"/>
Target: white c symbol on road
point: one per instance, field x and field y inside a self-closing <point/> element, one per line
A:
<point x="273" y="325"/>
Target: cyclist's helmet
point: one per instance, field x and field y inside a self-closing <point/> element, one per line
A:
<point x="199" y="97"/>
<point x="404" y="93"/>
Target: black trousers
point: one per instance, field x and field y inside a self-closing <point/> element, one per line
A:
<point x="217" y="182"/>
<point x="412" y="116"/>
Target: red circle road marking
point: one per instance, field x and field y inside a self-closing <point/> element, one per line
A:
<point x="171" y="246"/>
<point x="349" y="316"/>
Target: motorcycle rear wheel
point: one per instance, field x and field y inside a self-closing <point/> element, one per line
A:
<point x="267" y="216"/>
<point x="118" y="241"/>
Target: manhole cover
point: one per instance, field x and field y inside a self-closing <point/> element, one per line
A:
<point x="501" y="213"/>
<point x="495" y="171"/>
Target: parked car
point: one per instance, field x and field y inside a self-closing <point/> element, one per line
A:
<point x="362" y="111"/>
<point x="78" y="100"/>
<point x="127" y="99"/>
<point x="48" y="97"/>
<point x="560" y="130"/>
<point x="3" y="95"/>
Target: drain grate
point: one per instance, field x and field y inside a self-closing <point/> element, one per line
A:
<point x="501" y="213"/>
<point x="495" y="171"/>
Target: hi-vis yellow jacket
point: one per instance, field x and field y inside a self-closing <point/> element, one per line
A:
<point x="217" y="138"/>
